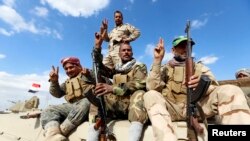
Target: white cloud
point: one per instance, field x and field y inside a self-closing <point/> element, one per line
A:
<point x="40" y="11"/>
<point x="168" y="56"/>
<point x="2" y="56"/>
<point x="15" y="88"/>
<point x="149" y="55"/>
<point x="209" y="59"/>
<point x="11" y="17"/>
<point x="9" y="3"/>
<point x="149" y="51"/>
<point x="198" y="23"/>
<point x="57" y="35"/>
<point x="18" y="24"/>
<point x="77" y="8"/>
<point x="5" y="32"/>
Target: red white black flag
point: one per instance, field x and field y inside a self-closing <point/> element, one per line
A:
<point x="34" y="88"/>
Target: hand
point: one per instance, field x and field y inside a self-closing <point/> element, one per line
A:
<point x="85" y="71"/>
<point x="53" y="75"/>
<point x="104" y="29"/>
<point x="193" y="82"/>
<point x="104" y="25"/>
<point x="102" y="89"/>
<point x="159" y="50"/>
<point x="98" y="40"/>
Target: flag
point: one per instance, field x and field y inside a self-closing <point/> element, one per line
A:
<point x="34" y="88"/>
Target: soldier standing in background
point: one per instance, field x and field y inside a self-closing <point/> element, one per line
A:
<point x="59" y="120"/>
<point x="166" y="99"/>
<point x="124" y="98"/>
<point x="120" y="34"/>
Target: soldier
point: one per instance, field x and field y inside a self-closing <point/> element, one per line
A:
<point x="166" y="99"/>
<point x="59" y="120"/>
<point x="123" y="99"/>
<point x="242" y="73"/>
<point x="121" y="33"/>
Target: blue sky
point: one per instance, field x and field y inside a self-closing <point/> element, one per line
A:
<point x="36" y="34"/>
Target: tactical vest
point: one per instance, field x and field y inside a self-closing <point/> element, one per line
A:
<point x="74" y="90"/>
<point x="124" y="78"/>
<point x="122" y="102"/>
<point x="175" y="90"/>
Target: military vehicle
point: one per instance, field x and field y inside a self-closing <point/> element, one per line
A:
<point x="24" y="125"/>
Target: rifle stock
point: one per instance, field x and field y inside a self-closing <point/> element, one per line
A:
<point x="193" y="96"/>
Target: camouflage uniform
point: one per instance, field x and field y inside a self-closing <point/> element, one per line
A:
<point x="128" y="88"/>
<point x="166" y="100"/>
<point x="115" y="38"/>
<point x="76" y="110"/>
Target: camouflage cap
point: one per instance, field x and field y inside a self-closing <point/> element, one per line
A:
<point x="180" y="39"/>
<point x="243" y="71"/>
<point x="73" y="60"/>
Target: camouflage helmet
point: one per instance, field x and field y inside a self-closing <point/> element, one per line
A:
<point x="180" y="39"/>
<point x="244" y="71"/>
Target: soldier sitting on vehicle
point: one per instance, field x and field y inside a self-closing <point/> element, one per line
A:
<point x="123" y="99"/>
<point x="59" y="120"/>
<point x="166" y="99"/>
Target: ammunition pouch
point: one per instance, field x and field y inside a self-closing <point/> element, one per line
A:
<point x="74" y="90"/>
<point x="119" y="79"/>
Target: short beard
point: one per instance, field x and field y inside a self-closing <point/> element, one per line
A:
<point x="179" y="58"/>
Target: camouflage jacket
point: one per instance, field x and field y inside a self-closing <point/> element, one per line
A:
<point x="124" y="83"/>
<point x="86" y="84"/>
<point x="118" y="32"/>
<point x="169" y="80"/>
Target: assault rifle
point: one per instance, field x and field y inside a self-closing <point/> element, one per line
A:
<point x="193" y="96"/>
<point x="101" y="121"/>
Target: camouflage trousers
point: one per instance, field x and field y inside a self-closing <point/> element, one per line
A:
<point x="246" y="90"/>
<point x="75" y="113"/>
<point x="112" y="57"/>
<point x="229" y="103"/>
<point x="226" y="101"/>
<point x="123" y="107"/>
